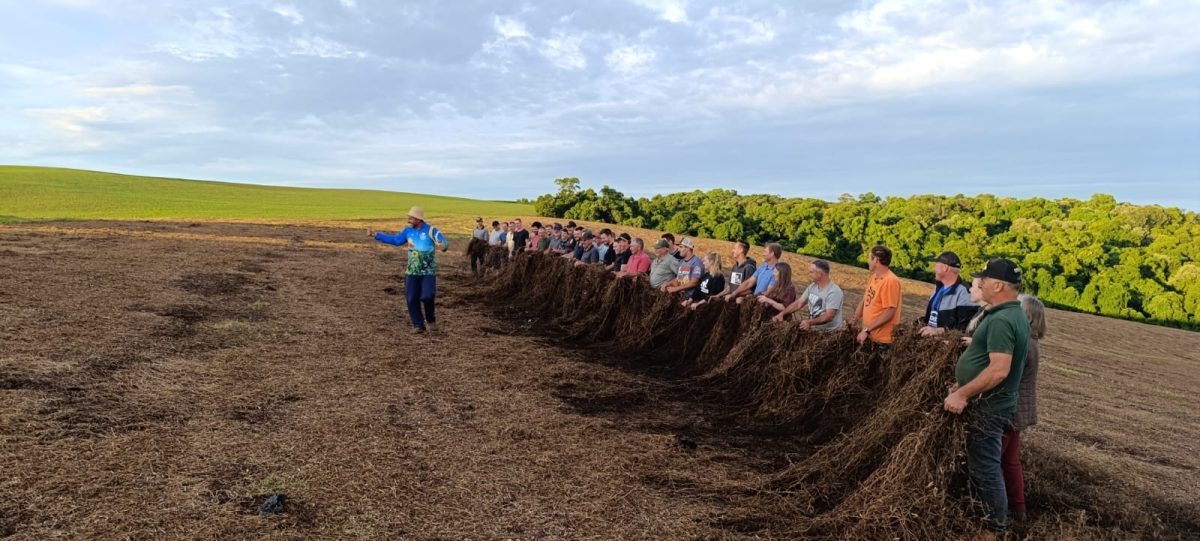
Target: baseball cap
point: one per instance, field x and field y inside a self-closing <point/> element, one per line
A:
<point x="479" y="218"/>
<point x="662" y="243"/>
<point x="950" y="259"/>
<point x="1001" y="269"/>
<point x="587" y="235"/>
<point x="687" y="241"/>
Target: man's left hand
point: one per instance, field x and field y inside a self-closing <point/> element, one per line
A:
<point x="931" y="331"/>
<point x="862" y="336"/>
<point x="955" y="403"/>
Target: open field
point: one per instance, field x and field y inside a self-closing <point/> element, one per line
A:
<point x="157" y="380"/>
<point x="41" y="193"/>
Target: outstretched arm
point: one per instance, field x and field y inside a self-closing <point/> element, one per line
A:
<point x="398" y="239"/>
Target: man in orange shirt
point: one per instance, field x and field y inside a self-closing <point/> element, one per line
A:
<point x="880" y="306"/>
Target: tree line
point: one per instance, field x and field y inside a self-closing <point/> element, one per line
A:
<point x="1139" y="262"/>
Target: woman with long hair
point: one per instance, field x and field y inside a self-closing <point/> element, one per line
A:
<point x="782" y="291"/>
<point x="711" y="283"/>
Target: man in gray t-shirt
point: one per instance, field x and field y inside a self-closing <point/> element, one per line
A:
<point x="823" y="299"/>
<point x="664" y="267"/>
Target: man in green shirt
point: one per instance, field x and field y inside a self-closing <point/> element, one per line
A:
<point x="988" y="375"/>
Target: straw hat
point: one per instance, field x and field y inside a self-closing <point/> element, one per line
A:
<point x="417" y="212"/>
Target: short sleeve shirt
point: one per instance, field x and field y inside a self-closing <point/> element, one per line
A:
<point x="662" y="270"/>
<point x="689" y="269"/>
<point x="820" y="300"/>
<point x="709" y="285"/>
<point x="741" y="272"/>
<point x="520" y="238"/>
<point x="764" y="276"/>
<point x="1004" y="329"/>
<point x="879" y="295"/>
<point x="590" y="255"/>
<point x="608" y="254"/>
<point x="638" y="263"/>
<point x="620" y="259"/>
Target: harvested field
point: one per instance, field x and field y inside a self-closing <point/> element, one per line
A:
<point x="161" y="380"/>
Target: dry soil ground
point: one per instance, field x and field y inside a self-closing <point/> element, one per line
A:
<point x="158" y="379"/>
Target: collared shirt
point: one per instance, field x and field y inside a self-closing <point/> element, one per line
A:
<point x="662" y="270"/>
<point x="479" y="233"/>
<point x="764" y="276"/>
<point x="421" y="243"/>
<point x="639" y="263"/>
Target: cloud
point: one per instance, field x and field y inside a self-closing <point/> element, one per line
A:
<point x="645" y="94"/>
<point x="674" y="11"/>
<point x="629" y="59"/>
<point x="289" y="13"/>
<point x="133" y="90"/>
<point x="562" y="50"/>
<point x="509" y="29"/>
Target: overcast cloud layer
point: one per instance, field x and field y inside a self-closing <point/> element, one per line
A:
<point x="494" y="99"/>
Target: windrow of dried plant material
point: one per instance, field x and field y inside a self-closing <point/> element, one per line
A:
<point x="886" y="461"/>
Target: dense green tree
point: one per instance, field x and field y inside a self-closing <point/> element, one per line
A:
<point x="1096" y="255"/>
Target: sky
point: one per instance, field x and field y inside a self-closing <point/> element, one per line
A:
<point x="495" y="99"/>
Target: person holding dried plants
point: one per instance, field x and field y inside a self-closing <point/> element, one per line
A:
<point x="988" y="375"/>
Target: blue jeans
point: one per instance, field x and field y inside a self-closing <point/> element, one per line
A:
<point x="984" y="431"/>
<point x="419" y="291"/>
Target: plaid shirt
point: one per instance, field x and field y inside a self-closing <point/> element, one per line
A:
<point x="1026" y="415"/>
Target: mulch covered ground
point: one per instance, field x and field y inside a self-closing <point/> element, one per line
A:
<point x="161" y="380"/>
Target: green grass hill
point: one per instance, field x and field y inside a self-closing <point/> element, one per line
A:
<point x="48" y="193"/>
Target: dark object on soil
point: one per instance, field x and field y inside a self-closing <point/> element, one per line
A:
<point x="686" y="442"/>
<point x="277" y="503"/>
<point x="391" y="290"/>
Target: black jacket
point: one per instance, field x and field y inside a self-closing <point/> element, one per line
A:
<point x="955" y="307"/>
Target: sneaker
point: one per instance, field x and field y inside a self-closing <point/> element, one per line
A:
<point x="418" y="330"/>
<point x="431" y="326"/>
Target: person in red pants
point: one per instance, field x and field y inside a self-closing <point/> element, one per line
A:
<point x="1026" y="416"/>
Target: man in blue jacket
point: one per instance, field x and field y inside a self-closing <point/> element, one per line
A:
<point x="420" y="276"/>
<point x="950" y="307"/>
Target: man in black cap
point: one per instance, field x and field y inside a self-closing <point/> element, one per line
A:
<point x="588" y="253"/>
<point x="988" y="376"/>
<point x="950" y="307"/>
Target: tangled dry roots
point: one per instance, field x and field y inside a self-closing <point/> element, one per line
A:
<point x="494" y="257"/>
<point x="885" y="454"/>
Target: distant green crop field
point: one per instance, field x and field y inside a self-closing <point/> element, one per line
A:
<point x="42" y="193"/>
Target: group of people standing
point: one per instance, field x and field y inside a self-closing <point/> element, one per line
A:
<point x="995" y="374"/>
